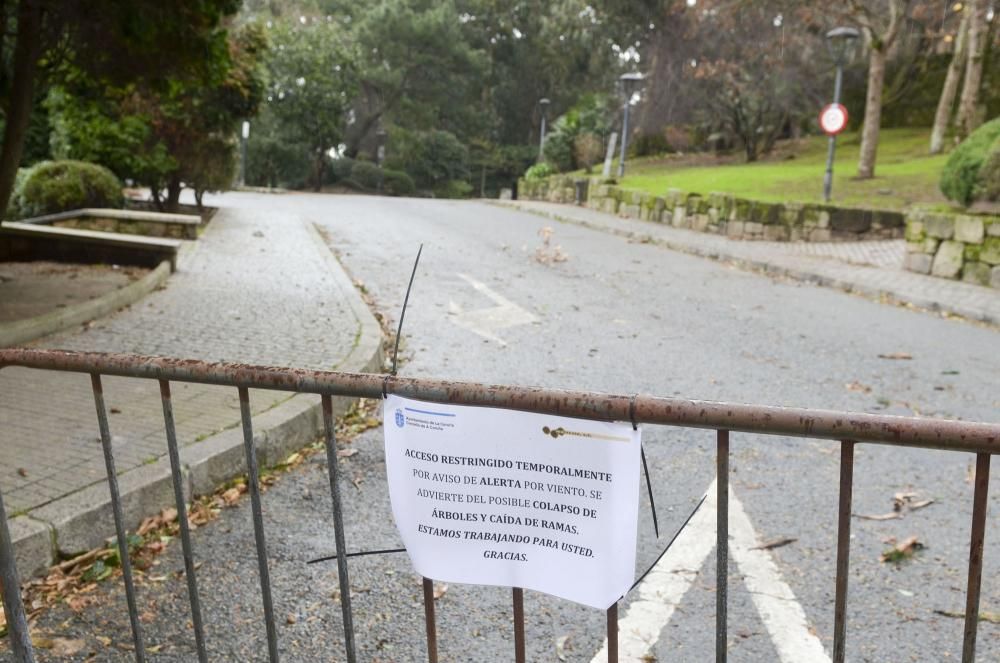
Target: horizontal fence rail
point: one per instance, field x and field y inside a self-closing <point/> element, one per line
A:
<point x="847" y="428"/>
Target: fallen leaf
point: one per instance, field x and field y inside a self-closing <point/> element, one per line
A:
<point x="896" y="355"/>
<point x="991" y="617"/>
<point x="59" y="646"/>
<point x="902" y="551"/>
<point x="561" y="647"/>
<point x="231" y="496"/>
<point x="291" y="619"/>
<point x="857" y="386"/>
<point x="893" y="515"/>
<point x="439" y="590"/>
<point x="776" y="543"/>
<point x="115" y="410"/>
<point x="104" y="640"/>
<point x="346" y="453"/>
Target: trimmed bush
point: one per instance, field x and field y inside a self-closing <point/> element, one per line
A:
<point x="988" y="186"/>
<point x="539" y="171"/>
<point x="398" y="183"/>
<point x="453" y="189"/>
<point x="50" y="187"/>
<point x="340" y="169"/>
<point x="960" y="176"/>
<point x="366" y="174"/>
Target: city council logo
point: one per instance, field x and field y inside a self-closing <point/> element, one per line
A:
<point x="400" y="419"/>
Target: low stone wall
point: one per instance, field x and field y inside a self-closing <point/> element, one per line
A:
<point x="722" y="213"/>
<point x="127" y="222"/>
<point x="954" y="246"/>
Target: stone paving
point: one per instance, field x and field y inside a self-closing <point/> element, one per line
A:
<point x="872" y="269"/>
<point x="259" y="287"/>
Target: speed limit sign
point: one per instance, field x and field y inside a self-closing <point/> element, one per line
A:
<point x="833" y="119"/>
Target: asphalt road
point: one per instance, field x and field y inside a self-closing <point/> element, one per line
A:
<point x="618" y="317"/>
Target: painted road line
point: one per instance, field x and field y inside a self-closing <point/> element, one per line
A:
<point x="486" y="322"/>
<point x="662" y="590"/>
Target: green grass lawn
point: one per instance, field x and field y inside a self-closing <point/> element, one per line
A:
<point x="904" y="173"/>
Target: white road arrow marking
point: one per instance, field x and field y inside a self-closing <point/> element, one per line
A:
<point x="662" y="590"/>
<point x="487" y="321"/>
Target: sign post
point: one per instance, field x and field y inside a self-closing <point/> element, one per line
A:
<point x="497" y="497"/>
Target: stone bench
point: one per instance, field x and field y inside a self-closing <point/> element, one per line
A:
<point x="130" y="222"/>
<point x="33" y="241"/>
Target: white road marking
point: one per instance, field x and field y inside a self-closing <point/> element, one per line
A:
<point x="487" y="321"/>
<point x="662" y="590"/>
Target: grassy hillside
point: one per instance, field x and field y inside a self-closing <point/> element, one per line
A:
<point x="905" y="173"/>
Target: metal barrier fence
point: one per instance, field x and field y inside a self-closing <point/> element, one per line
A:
<point x="849" y="428"/>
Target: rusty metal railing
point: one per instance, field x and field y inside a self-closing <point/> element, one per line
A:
<point x="982" y="439"/>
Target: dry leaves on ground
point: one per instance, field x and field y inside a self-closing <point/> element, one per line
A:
<point x="896" y="355"/>
<point x="902" y="503"/>
<point x="902" y="551"/>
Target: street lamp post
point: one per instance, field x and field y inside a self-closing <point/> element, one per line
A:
<point x="244" y="134"/>
<point x="630" y="82"/>
<point x="543" y="103"/>
<point x="380" y="137"/>
<point x="840" y="42"/>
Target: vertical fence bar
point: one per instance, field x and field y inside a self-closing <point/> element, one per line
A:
<point x="182" y="519"/>
<point x="518" y="625"/>
<point x="116" y="507"/>
<point x="253" y="483"/>
<point x="721" y="545"/>
<point x="10" y="592"/>
<point x="429" y="621"/>
<point x="979" y="504"/>
<point x="613" y="633"/>
<point x="338" y="529"/>
<point x="843" y="549"/>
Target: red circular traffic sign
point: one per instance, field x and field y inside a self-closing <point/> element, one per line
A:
<point x="833" y="119"/>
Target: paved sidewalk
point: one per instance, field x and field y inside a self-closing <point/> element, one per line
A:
<point x="260" y="286"/>
<point x="873" y="269"/>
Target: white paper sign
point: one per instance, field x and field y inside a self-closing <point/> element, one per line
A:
<point x="498" y="497"/>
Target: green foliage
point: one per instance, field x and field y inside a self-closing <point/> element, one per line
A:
<point x="59" y="186"/>
<point x="431" y="158"/>
<point x="398" y="183"/>
<point x="366" y="174"/>
<point x="453" y="189"/>
<point x="960" y="175"/>
<point x="539" y="171"/>
<point x="988" y="186"/>
<point x="647" y="144"/>
<point x="589" y="116"/>
<point x="340" y="169"/>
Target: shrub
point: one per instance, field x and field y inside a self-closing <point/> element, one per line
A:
<point x="397" y="183"/>
<point x="648" y="144"/>
<point x="49" y="187"/>
<point x="680" y="139"/>
<point x="366" y="174"/>
<point x="539" y="171"/>
<point x="453" y="189"/>
<point x="558" y="148"/>
<point x="960" y="176"/>
<point x="588" y="149"/>
<point x="988" y="184"/>
<point x="340" y="169"/>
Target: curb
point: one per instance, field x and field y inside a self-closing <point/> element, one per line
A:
<point x="773" y="269"/>
<point x="83" y="520"/>
<point x="23" y="331"/>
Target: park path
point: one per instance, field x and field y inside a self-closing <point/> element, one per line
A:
<point x="872" y="268"/>
<point x="259" y="286"/>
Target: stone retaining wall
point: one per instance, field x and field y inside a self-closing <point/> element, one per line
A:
<point x="954" y="246"/>
<point x="126" y="222"/>
<point x="722" y="213"/>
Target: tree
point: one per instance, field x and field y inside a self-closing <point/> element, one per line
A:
<point x="968" y="112"/>
<point x="880" y="34"/>
<point x="950" y="87"/>
<point x="180" y="133"/>
<point x="312" y="83"/>
<point x="110" y="40"/>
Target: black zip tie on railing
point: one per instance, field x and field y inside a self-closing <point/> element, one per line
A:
<point x="362" y="553"/>
<point x="672" y="539"/>
<point x="645" y="467"/>
<point x="402" y="315"/>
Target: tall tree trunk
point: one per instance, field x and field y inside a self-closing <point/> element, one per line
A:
<point x="873" y="113"/>
<point x="173" y="194"/>
<point x="968" y="111"/>
<point x="18" y="113"/>
<point x="947" y="100"/>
